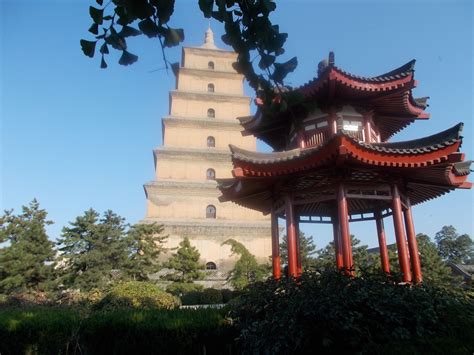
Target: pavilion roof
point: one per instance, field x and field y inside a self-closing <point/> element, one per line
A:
<point x="430" y="166"/>
<point x="388" y="96"/>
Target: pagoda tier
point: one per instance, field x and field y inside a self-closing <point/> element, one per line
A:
<point x="381" y="106"/>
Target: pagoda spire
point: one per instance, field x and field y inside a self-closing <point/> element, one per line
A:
<point x="209" y="38"/>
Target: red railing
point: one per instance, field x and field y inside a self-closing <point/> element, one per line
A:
<point x="355" y="134"/>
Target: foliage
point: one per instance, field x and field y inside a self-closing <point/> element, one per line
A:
<point x="246" y="270"/>
<point x="179" y="288"/>
<point x="248" y="30"/>
<point x="330" y="313"/>
<point x="145" y="244"/>
<point x="307" y="250"/>
<point x="211" y="296"/>
<point x="435" y="271"/>
<point x="66" y="330"/>
<point x="26" y="263"/>
<point x="92" y="249"/>
<point x="186" y="263"/>
<point x="453" y="247"/>
<point x="38" y="330"/>
<point x="137" y="294"/>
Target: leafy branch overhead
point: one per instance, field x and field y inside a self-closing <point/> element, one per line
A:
<point x="248" y="30"/>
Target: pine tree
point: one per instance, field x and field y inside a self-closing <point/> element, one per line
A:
<point x="246" y="270"/>
<point x="93" y="251"/>
<point x="307" y="250"/>
<point x="453" y="247"/>
<point x="145" y="244"/>
<point x="435" y="271"/>
<point x="185" y="262"/>
<point x="26" y="264"/>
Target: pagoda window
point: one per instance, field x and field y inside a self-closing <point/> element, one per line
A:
<point x="211" y="266"/>
<point x="210" y="87"/>
<point x="321" y="124"/>
<point x="211" y="142"/>
<point x="353" y="126"/>
<point x="211" y="113"/>
<point x="211" y="174"/>
<point x="210" y="211"/>
<point x="210" y="65"/>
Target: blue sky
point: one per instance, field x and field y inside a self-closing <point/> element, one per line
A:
<point x="75" y="136"/>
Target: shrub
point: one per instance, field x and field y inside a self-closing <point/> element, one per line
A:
<point x="228" y="295"/>
<point x="191" y="298"/>
<point x="211" y="296"/>
<point x="38" y="330"/>
<point x="137" y="294"/>
<point x="181" y="288"/>
<point x="331" y="313"/>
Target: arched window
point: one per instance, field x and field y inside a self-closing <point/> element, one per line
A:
<point x="211" y="113"/>
<point x="211" y="174"/>
<point x="211" y="142"/>
<point x="211" y="266"/>
<point x="210" y="87"/>
<point x="210" y="211"/>
<point x="210" y="65"/>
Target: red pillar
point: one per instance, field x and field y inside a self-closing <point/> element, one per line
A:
<point x="384" y="260"/>
<point x="291" y="236"/>
<point x="299" y="267"/>
<point x="337" y="243"/>
<point x="412" y="244"/>
<point x="343" y="214"/>
<point x="400" y="234"/>
<point x="275" y="247"/>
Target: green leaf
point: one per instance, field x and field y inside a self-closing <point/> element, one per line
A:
<point x="96" y="14"/>
<point x="266" y="60"/>
<point x="103" y="64"/>
<point x="100" y="2"/>
<point x="104" y="49"/>
<point x="164" y="10"/>
<point x="88" y="47"/>
<point x="115" y="40"/>
<point x="128" y="31"/>
<point x="127" y="58"/>
<point x="173" y="37"/>
<point x="94" y="29"/>
<point x="282" y="69"/>
<point x="149" y="28"/>
<point x="206" y="7"/>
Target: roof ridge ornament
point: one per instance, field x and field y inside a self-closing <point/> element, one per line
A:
<point x="209" y="38"/>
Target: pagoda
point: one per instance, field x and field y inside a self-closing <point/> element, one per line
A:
<point x="333" y="163"/>
<point x="183" y="197"/>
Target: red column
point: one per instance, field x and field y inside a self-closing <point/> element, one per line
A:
<point x="337" y="243"/>
<point x="299" y="267"/>
<point x="291" y="236"/>
<point x="275" y="247"/>
<point x="343" y="214"/>
<point x="400" y="235"/>
<point x="384" y="260"/>
<point x="412" y="244"/>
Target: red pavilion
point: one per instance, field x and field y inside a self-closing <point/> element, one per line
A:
<point x="332" y="163"/>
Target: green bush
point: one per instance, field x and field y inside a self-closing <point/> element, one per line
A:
<point x="191" y="298"/>
<point x="181" y="288"/>
<point x="211" y="296"/>
<point x="38" y="330"/>
<point x="331" y="313"/>
<point x="228" y="295"/>
<point x="137" y="294"/>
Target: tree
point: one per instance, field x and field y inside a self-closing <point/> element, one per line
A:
<point x="307" y="250"/>
<point x="248" y="30"/>
<point x="26" y="264"/>
<point x="246" y="270"/>
<point x="435" y="271"/>
<point x="145" y="244"/>
<point x="326" y="257"/>
<point x="454" y="247"/>
<point x="92" y="249"/>
<point x="186" y="263"/>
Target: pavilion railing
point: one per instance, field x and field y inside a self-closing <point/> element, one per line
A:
<point x="317" y="138"/>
